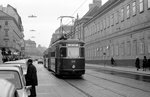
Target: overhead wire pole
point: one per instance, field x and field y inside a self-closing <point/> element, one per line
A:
<point x="61" y="22"/>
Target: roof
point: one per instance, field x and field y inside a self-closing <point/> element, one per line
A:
<point x="19" y="63"/>
<point x="68" y="41"/>
<point x="23" y="61"/>
<point x="4" y="67"/>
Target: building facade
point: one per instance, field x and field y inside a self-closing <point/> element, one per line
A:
<point x="79" y="23"/>
<point x="11" y="31"/>
<point x="30" y="48"/>
<point x="62" y="30"/>
<point x="78" y="29"/>
<point x="33" y="51"/>
<point x="119" y="29"/>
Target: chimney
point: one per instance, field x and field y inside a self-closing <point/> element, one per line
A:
<point x="95" y="3"/>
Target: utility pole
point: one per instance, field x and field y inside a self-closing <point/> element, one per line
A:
<point x="61" y="21"/>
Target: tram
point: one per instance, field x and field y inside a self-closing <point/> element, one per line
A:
<point x="66" y="57"/>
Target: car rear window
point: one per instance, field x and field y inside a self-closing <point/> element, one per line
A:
<point x="13" y="77"/>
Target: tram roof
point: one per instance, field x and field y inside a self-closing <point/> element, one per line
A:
<point x="69" y="41"/>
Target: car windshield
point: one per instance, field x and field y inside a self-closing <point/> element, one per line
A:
<point x="13" y="77"/>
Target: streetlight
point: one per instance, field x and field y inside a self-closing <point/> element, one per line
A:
<point x="32" y="30"/>
<point x="32" y="16"/>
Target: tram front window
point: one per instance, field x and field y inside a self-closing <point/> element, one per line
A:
<point x="63" y="52"/>
<point x="73" y="52"/>
<point x="81" y="52"/>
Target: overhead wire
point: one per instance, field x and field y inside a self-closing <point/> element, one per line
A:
<point x="78" y="9"/>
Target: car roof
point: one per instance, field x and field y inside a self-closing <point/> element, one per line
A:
<point x="4" y="67"/>
<point x="14" y="65"/>
<point x="23" y="61"/>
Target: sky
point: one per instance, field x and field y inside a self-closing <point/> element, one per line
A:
<point x="47" y="12"/>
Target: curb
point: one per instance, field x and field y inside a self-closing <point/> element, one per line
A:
<point x="120" y="70"/>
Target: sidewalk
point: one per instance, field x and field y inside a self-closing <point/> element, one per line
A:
<point x="132" y="70"/>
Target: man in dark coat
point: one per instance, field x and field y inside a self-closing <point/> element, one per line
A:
<point x="149" y="63"/>
<point x="144" y="63"/>
<point x="112" y="61"/>
<point x="137" y="63"/>
<point x="31" y="77"/>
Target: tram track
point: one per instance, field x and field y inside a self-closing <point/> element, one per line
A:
<point x="89" y="77"/>
<point x="117" y="82"/>
<point x="89" y="95"/>
<point x="116" y="92"/>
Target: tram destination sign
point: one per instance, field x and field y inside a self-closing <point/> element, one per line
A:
<point x="72" y="44"/>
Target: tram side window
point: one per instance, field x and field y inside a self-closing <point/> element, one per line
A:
<point x="63" y="52"/>
<point x="52" y="54"/>
<point x="82" y="52"/>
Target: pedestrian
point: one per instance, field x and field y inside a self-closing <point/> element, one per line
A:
<point x="148" y="63"/>
<point x="112" y="61"/>
<point x="1" y="57"/>
<point x="31" y="77"/>
<point x="144" y="63"/>
<point x="137" y="63"/>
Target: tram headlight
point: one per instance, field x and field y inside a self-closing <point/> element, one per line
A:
<point x="73" y="66"/>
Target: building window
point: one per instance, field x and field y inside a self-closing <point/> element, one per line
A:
<point x="6" y="43"/>
<point x="128" y="48"/>
<point x="108" y="50"/>
<point x="97" y="26"/>
<point x="6" y="32"/>
<point x="104" y="23"/>
<point x="149" y="46"/>
<point x="108" y="22"/>
<point x="141" y="3"/>
<point x="112" y="50"/>
<point x="112" y="19"/>
<point x="148" y="4"/>
<point x="141" y="46"/>
<point x="133" y="8"/>
<point x="122" y="48"/>
<point x="134" y="49"/>
<point x="128" y="11"/>
<point x="6" y="23"/>
<point x="122" y="14"/>
<point x="116" y="50"/>
<point x="117" y="17"/>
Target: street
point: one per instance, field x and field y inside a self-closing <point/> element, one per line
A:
<point x="92" y="84"/>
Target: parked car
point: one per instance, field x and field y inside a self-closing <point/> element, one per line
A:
<point x="40" y="61"/>
<point x="7" y="89"/>
<point x="22" y="63"/>
<point x="14" y="75"/>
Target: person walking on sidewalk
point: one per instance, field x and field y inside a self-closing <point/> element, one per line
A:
<point x="31" y="77"/>
<point x="1" y="57"/>
<point x="137" y="63"/>
<point x="112" y="61"/>
<point x="144" y="63"/>
<point x="148" y="63"/>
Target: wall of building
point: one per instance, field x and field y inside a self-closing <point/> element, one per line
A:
<point x="11" y="30"/>
<point x="115" y="33"/>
